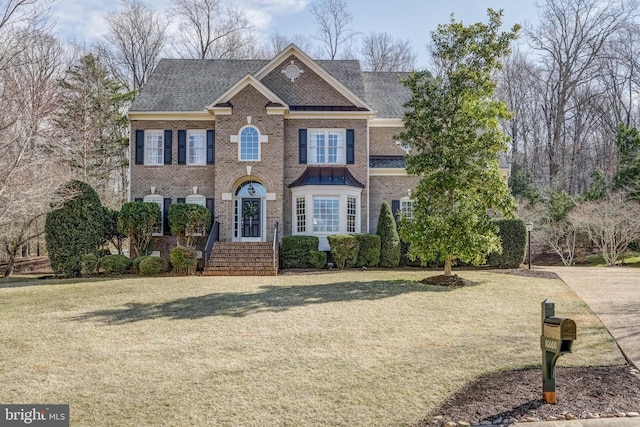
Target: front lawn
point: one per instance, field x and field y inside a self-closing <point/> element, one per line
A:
<point x="328" y="348"/>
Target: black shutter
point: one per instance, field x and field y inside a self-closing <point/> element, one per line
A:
<point x="168" y="136"/>
<point x="210" y="206"/>
<point x="139" y="147"/>
<point x="302" y="146"/>
<point x="182" y="147"/>
<point x="211" y="147"/>
<point x="181" y="200"/>
<point x="351" y="157"/>
<point x="138" y="199"/>
<point x="395" y="209"/>
<point x="165" y="220"/>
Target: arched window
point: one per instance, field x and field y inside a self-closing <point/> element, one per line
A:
<point x="249" y="147"/>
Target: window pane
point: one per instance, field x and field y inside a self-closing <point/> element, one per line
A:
<point x="197" y="148"/>
<point x="326" y="214"/>
<point x="153" y="149"/>
<point x="249" y="144"/>
<point x="326" y="146"/>
<point x="351" y="214"/>
<point x="406" y="208"/>
<point x="301" y="215"/>
<point x="335" y="147"/>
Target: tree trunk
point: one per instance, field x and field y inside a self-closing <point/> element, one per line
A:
<point x="447" y="266"/>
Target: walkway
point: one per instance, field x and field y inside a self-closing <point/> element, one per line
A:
<point x="613" y="294"/>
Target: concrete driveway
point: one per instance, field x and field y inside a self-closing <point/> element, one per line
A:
<point x="613" y="294"/>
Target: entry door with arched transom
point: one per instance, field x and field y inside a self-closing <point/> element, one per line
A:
<point x="250" y="212"/>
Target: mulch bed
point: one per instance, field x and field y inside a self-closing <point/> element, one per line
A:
<point x="517" y="394"/>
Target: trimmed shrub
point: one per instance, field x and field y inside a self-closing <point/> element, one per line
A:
<point x="183" y="259"/>
<point x="74" y="227"/>
<point x="138" y="220"/>
<point x="189" y="222"/>
<point x="513" y="234"/>
<point x="135" y="266"/>
<point x="369" y="250"/>
<point x="90" y="263"/>
<point x="389" y="238"/>
<point x="295" y="251"/>
<point x="318" y="259"/>
<point x="344" y="249"/>
<point x="153" y="265"/>
<point x="115" y="264"/>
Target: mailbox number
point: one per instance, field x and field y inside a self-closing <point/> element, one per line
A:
<point x="551" y="344"/>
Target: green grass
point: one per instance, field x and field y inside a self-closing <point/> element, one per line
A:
<point x="340" y="348"/>
<point x="630" y="259"/>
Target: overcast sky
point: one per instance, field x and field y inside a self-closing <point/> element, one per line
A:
<point x="83" y="20"/>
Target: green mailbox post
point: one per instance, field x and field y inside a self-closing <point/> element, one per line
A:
<point x="557" y="339"/>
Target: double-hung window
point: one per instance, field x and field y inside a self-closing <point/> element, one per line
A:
<point x="197" y="147"/>
<point x="153" y="147"/>
<point x="406" y="208"/>
<point x="326" y="146"/>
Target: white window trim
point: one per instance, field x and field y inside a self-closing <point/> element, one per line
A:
<point x="308" y="192"/>
<point x="204" y="154"/>
<point x="261" y="138"/>
<point x="342" y="149"/>
<point x="405" y="200"/>
<point x="159" y="200"/>
<point x="147" y="159"/>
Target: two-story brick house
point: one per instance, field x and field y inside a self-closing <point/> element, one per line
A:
<point x="308" y="143"/>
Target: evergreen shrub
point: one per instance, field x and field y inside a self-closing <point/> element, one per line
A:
<point x="344" y="249"/>
<point x="369" y="250"/>
<point x="115" y="264"/>
<point x="295" y="251"/>
<point x="153" y="265"/>
<point x="513" y="234"/>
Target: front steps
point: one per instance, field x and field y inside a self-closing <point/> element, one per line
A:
<point x="242" y="259"/>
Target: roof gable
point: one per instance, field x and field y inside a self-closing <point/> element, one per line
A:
<point x="247" y="80"/>
<point x="278" y="62"/>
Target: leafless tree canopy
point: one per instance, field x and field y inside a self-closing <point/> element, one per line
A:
<point x="382" y="52"/>
<point x="211" y="29"/>
<point x="334" y="32"/>
<point x="571" y="89"/>
<point x="611" y="224"/>
<point x="134" y="43"/>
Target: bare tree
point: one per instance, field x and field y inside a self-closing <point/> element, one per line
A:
<point x="333" y="19"/>
<point x="29" y="171"/>
<point x="211" y="29"/>
<point x="611" y="224"/>
<point x="382" y="52"/>
<point x="570" y="41"/>
<point x="277" y="42"/>
<point x="134" y="42"/>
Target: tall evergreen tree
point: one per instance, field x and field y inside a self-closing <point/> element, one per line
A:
<point x="452" y="124"/>
<point x="93" y="126"/>
<point x="628" y="176"/>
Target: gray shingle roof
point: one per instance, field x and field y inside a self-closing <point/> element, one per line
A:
<point x="385" y="94"/>
<point x="192" y="84"/>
